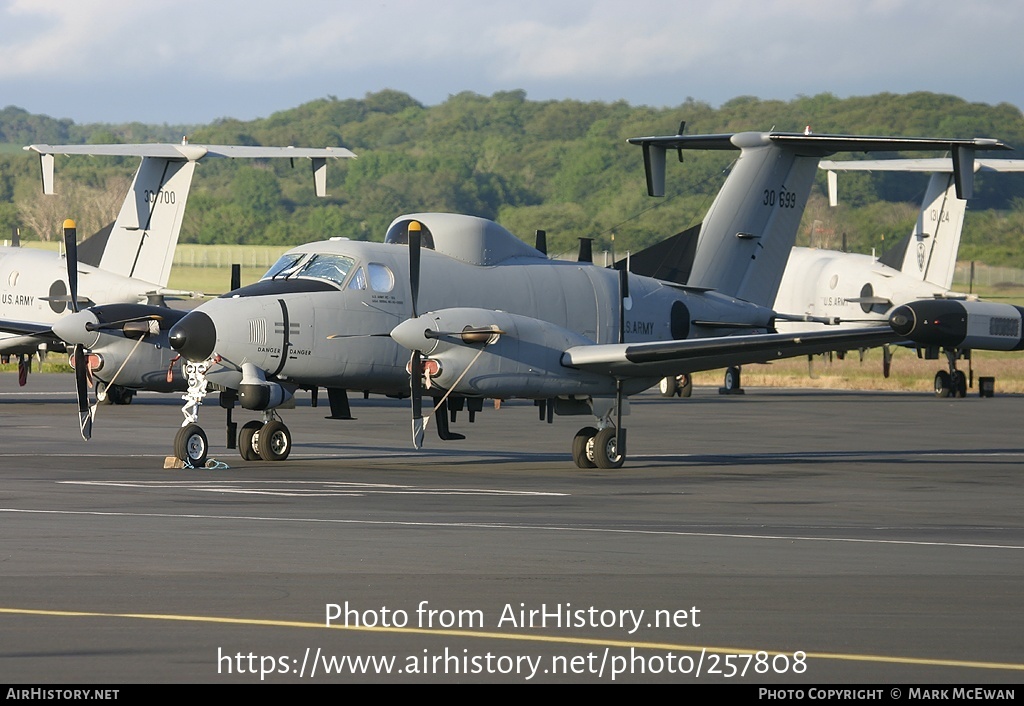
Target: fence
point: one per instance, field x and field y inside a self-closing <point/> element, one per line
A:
<point x="223" y="256"/>
<point x="986" y="276"/>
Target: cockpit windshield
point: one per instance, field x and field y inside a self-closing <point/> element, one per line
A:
<point x="334" y="268"/>
<point x="285" y="263"/>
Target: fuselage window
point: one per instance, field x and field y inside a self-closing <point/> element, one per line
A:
<point x="381" y="277"/>
<point x="330" y="267"/>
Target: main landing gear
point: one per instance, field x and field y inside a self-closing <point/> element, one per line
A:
<point x="952" y="383"/>
<point x="269" y="440"/>
<point x="676" y="386"/>
<point x="113" y="394"/>
<point x="603" y="446"/>
<point x="599" y="448"/>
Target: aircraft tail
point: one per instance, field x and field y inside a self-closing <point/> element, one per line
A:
<point x="929" y="252"/>
<point x="140" y="244"/>
<point x="752" y="224"/>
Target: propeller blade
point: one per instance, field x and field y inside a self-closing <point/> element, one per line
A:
<point x="335" y="336"/>
<point x="415" y="240"/>
<point x="85" y="415"/>
<point x="71" y="257"/>
<point x="419" y="423"/>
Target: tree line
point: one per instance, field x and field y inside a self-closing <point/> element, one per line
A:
<point x="563" y="166"/>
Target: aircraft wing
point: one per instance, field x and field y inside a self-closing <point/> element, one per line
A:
<point x="662" y="358"/>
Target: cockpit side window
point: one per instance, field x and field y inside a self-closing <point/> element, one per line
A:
<point x="330" y="267"/>
<point x="382" y="279"/>
<point x="283" y="265"/>
<point x="358" y="280"/>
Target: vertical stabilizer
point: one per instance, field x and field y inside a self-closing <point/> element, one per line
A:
<point x="751" y="227"/>
<point x="141" y="243"/>
<point x="752" y="224"/>
<point x="931" y="253"/>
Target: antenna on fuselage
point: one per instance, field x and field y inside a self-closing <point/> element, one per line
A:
<point x="542" y="241"/>
<point x="586" y="250"/>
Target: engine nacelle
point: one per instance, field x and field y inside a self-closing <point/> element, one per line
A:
<point x="949" y="323"/>
<point x="522" y="359"/>
<point x="257" y="393"/>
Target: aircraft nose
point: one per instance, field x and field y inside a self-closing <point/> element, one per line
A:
<point x="194" y="336"/>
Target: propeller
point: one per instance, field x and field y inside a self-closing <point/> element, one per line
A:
<point x="419" y="423"/>
<point x="80" y="362"/>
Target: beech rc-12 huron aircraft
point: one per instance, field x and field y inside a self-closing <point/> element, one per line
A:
<point x="458" y="309"/>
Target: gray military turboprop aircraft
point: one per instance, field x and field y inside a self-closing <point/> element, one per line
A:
<point x="503" y="321"/>
<point x="127" y="340"/>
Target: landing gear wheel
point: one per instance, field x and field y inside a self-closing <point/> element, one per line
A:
<point x="958" y="383"/>
<point x="605" y="453"/>
<point x="103" y="394"/>
<point x="190" y="445"/>
<point x="685" y="385"/>
<point x="274" y="442"/>
<point x="584" y="438"/>
<point x="668" y="386"/>
<point x="943" y="384"/>
<point x="120" y="395"/>
<point x="732" y="379"/>
<point x="248" y="438"/>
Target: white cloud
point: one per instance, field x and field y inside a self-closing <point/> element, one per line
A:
<point x="232" y="58"/>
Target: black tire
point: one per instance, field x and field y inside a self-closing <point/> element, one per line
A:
<point x="580" y="443"/>
<point x="103" y="394"/>
<point x="274" y="442"/>
<point x="732" y="379"/>
<point x="943" y="384"/>
<point x="685" y="386"/>
<point x="190" y="445"/>
<point x="958" y="383"/>
<point x="120" y="395"/>
<point x="668" y="386"/>
<point x="605" y="454"/>
<point x="248" y="437"/>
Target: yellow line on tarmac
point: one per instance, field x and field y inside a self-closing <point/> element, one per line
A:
<point x="567" y="640"/>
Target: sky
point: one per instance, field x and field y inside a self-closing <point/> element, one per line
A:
<point x="195" y="61"/>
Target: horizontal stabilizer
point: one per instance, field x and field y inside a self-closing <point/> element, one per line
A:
<point x="812" y="145"/>
<point x="882" y="301"/>
<point x="188" y="152"/>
